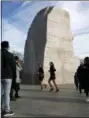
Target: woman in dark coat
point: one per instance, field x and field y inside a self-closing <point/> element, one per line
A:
<point x="41" y="76"/>
<point x="83" y="75"/>
<point x="52" y="77"/>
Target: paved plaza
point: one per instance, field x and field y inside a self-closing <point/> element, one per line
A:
<point x="35" y="103"/>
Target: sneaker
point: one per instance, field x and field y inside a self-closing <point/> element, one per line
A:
<point x="10" y="113"/>
<point x="51" y="89"/>
<point x="87" y="100"/>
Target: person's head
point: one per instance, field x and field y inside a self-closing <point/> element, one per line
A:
<point x="86" y="60"/>
<point x="51" y="64"/>
<point x="17" y="59"/>
<point x="5" y="45"/>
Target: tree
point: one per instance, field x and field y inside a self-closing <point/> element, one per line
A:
<point x="19" y="54"/>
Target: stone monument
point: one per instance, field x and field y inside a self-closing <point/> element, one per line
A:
<point x="50" y="39"/>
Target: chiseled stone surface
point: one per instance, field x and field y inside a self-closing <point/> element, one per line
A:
<point x="35" y="103"/>
<point x="50" y="39"/>
<point x="59" y="47"/>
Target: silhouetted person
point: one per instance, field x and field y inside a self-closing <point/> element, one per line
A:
<point x="41" y="76"/>
<point x="77" y="82"/>
<point x="86" y="71"/>
<point x="83" y="75"/>
<point x="52" y="77"/>
<point x="8" y="70"/>
<point x="18" y="79"/>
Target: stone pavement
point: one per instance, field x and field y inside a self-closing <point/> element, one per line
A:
<point x="35" y="103"/>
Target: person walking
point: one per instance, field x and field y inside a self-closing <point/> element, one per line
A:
<point x="86" y="79"/>
<point x="83" y="75"/>
<point x="52" y="77"/>
<point x="77" y="80"/>
<point x="18" y="79"/>
<point x="8" y="70"/>
<point x="41" y="76"/>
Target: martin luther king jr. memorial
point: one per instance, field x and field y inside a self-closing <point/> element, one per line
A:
<point x="50" y="39"/>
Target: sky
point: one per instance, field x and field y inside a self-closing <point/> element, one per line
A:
<point x="18" y="16"/>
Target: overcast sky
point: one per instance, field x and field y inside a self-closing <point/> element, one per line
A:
<point x="18" y="16"/>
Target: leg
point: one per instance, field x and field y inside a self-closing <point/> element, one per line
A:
<point x="17" y="94"/>
<point x="87" y="94"/>
<point x="76" y="85"/>
<point x="57" y="89"/>
<point x="49" y="81"/>
<point x="17" y="90"/>
<point x="76" y="82"/>
<point x="2" y="95"/>
<point x="11" y="92"/>
<point x="80" y="89"/>
<point x="13" y="88"/>
<point x="41" y="79"/>
<point x="41" y="85"/>
<point x="7" y="94"/>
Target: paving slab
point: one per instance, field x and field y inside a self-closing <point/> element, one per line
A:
<point x="35" y="103"/>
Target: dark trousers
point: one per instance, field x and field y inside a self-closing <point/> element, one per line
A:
<point x="12" y="91"/>
<point x="87" y="92"/>
<point x="13" y="88"/>
<point x="76" y="82"/>
<point x="17" y="89"/>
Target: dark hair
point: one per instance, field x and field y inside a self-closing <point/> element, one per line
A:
<point x="16" y="58"/>
<point x="52" y="64"/>
<point x="4" y="44"/>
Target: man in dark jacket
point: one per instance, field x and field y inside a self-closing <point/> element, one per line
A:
<point x="8" y="71"/>
<point x="83" y="75"/>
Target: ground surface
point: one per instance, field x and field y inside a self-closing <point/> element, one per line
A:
<point x="36" y="103"/>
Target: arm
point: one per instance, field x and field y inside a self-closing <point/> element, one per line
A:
<point x="19" y="67"/>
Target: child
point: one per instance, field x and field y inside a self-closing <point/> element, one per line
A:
<point x="52" y="77"/>
<point x="18" y="79"/>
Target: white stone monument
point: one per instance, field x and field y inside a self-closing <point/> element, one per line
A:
<point x="59" y="47"/>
